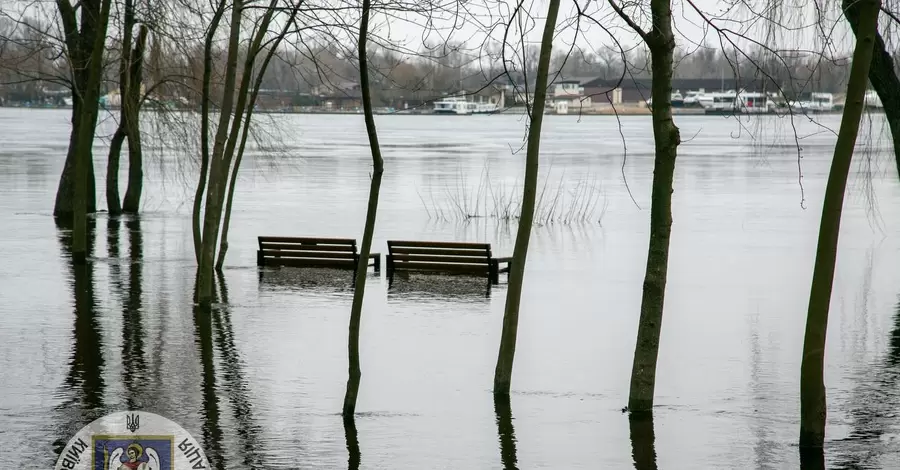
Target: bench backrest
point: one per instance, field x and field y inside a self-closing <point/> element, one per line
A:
<point x="303" y="251"/>
<point x="450" y="257"/>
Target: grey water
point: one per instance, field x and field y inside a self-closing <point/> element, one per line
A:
<point x="259" y="382"/>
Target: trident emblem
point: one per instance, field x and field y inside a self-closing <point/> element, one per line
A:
<point x="132" y="422"/>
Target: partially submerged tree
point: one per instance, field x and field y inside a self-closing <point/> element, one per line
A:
<point x="130" y="79"/>
<point x="365" y="247"/>
<point x="217" y="167"/>
<point x="660" y="41"/>
<point x="507" y="353"/>
<point x="87" y="71"/>
<point x="812" y="383"/>
<point x="84" y="46"/>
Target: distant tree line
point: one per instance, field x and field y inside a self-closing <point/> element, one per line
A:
<point x="33" y="69"/>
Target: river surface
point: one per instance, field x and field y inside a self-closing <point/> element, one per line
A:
<point x="260" y="381"/>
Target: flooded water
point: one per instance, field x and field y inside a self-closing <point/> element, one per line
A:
<point x="260" y="381"/>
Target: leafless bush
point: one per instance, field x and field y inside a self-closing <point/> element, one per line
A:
<point x="560" y="200"/>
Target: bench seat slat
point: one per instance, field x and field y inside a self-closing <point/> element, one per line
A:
<point x="311" y="262"/>
<point x="482" y="252"/>
<point x="398" y="257"/>
<point x="316" y="241"/>
<point x="308" y="254"/>
<point x="440" y="267"/>
<point x="292" y="246"/>
<point x="399" y="244"/>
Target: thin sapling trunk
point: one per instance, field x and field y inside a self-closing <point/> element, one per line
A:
<point x="661" y="42"/>
<point x="245" y="131"/>
<point x="812" y="380"/>
<point x="205" y="96"/>
<point x="362" y="264"/>
<point x="503" y="370"/>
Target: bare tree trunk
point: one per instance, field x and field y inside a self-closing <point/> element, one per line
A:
<point x="229" y="200"/>
<point x="79" y="49"/>
<point x="362" y="265"/>
<point x="65" y="193"/>
<point x="204" y="128"/>
<point x="217" y="172"/>
<point x="506" y="356"/>
<point x="112" y="170"/>
<point x="132" y="108"/>
<point x="113" y="204"/>
<point x="661" y="42"/>
<point x="881" y="74"/>
<point x="83" y="153"/>
<point x="812" y="383"/>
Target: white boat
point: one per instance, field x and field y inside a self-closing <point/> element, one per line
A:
<point x="485" y="108"/>
<point x="753" y="103"/>
<point x="454" y="105"/>
<point x="697" y="99"/>
<point x="817" y="102"/>
<point x="719" y="101"/>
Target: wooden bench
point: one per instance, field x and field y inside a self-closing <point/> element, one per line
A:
<point x="311" y="252"/>
<point x="446" y="258"/>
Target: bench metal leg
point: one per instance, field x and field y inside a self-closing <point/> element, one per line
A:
<point x="376" y="264"/>
<point x="260" y="259"/>
<point x="494" y="271"/>
<point x="390" y="268"/>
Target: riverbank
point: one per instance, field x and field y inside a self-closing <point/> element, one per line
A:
<point x="605" y="110"/>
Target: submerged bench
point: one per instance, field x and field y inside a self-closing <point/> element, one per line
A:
<point x="445" y="258"/>
<point x="311" y="252"/>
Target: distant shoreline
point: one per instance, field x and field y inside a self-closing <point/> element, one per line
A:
<point x="625" y="110"/>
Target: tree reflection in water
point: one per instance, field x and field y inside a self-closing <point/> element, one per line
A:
<point x="84" y="379"/>
<point x="812" y="459"/>
<point x="212" y="432"/>
<point x="643" y="446"/>
<point x="234" y="384"/>
<point x="354" y="457"/>
<point x="506" y="432"/>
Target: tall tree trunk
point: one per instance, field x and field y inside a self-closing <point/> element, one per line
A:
<point x="245" y="131"/>
<point x="79" y="49"/>
<point x="204" y="128"/>
<point x="64" y="206"/>
<point x="362" y="265"/>
<point x="113" y="204"/>
<point x="218" y="172"/>
<point x="661" y="42"/>
<point x="503" y="370"/>
<point x="882" y="75"/>
<point x="812" y="383"/>
<point x="132" y="201"/>
<point x="84" y="156"/>
<point x="112" y="170"/>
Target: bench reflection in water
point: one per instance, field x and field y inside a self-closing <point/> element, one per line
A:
<point x="321" y="280"/>
<point x="439" y="287"/>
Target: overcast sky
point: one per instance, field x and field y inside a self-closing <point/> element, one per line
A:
<point x="798" y="20"/>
